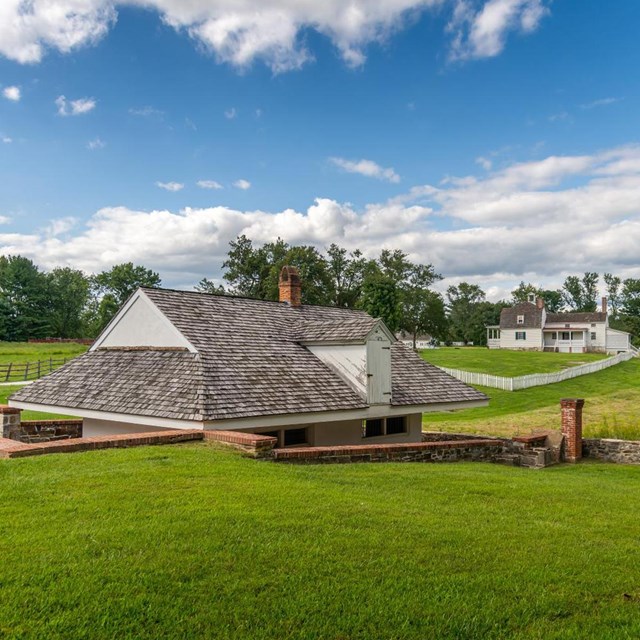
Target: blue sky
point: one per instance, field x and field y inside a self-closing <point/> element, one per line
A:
<point x="496" y="139"/>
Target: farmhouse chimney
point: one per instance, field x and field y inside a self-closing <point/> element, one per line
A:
<point x="604" y="304"/>
<point x="540" y="303"/>
<point x="571" y="409"/>
<point x="290" y="286"/>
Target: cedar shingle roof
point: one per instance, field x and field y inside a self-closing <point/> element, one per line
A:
<point x="576" y="316"/>
<point x="250" y="362"/>
<point x="532" y="316"/>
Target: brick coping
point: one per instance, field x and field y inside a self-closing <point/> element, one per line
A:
<point x="360" y="449"/>
<point x="15" y="449"/>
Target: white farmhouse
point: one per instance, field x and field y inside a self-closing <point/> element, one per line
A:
<point x="528" y="326"/>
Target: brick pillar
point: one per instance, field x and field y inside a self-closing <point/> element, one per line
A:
<point x="572" y="428"/>
<point x="10" y="418"/>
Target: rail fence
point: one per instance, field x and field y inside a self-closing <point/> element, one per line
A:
<point x="536" y="379"/>
<point x="23" y="371"/>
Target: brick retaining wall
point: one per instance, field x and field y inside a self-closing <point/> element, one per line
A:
<point x="14" y="449"/>
<point x="253" y="444"/>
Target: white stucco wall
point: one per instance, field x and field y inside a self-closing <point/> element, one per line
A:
<point x="617" y="340"/>
<point x="508" y="339"/>
<point x="142" y="325"/>
<point x="346" y="432"/>
<point x="349" y="361"/>
<point x="92" y="427"/>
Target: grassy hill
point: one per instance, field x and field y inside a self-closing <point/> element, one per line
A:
<point x="611" y="409"/>
<point x="190" y="541"/>
<point x="501" y="362"/>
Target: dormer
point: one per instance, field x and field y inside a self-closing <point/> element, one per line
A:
<point x="359" y="351"/>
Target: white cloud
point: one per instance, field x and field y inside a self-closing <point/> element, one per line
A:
<point x="74" y="107"/>
<point x="538" y="221"/>
<point x="7" y="140"/>
<point x="485" y="163"/>
<point x="602" y="102"/>
<point x="12" y="93"/>
<point x="230" y="114"/>
<point x="170" y="186"/>
<point x="146" y="112"/>
<point x="482" y="32"/>
<point x="272" y="30"/>
<point x="209" y="184"/>
<point x="367" y="168"/>
<point x="5" y="219"/>
<point x="95" y="144"/>
<point x="242" y="184"/>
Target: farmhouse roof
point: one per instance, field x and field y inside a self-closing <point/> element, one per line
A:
<point x="250" y="360"/>
<point x="531" y="316"/>
<point x="575" y="316"/>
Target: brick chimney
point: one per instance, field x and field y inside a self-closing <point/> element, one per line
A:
<point x="571" y="409"/>
<point x="604" y="304"/>
<point x="539" y="303"/>
<point x="290" y="286"/>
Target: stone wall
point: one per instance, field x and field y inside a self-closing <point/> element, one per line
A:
<point x="43" y="430"/>
<point x="609" y="450"/>
<point x="476" y="450"/>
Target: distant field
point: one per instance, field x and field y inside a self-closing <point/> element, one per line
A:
<point x="19" y="352"/>
<point x="501" y="362"/>
<point x="192" y="542"/>
<point x="611" y="410"/>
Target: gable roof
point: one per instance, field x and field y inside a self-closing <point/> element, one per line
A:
<point x="249" y="362"/>
<point x="577" y="316"/>
<point x="532" y="316"/>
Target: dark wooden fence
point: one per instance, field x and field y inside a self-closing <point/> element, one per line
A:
<point x="21" y="371"/>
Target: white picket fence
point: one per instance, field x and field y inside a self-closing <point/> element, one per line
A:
<point x="536" y="379"/>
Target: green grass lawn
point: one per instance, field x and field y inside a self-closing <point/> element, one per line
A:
<point x="502" y="362"/>
<point x="611" y="409"/>
<point x="190" y="541"/>
<point x="20" y="352"/>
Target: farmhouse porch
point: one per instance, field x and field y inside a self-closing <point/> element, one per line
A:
<point x="566" y="340"/>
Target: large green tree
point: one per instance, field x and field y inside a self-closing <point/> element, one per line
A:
<point x="381" y="299"/>
<point x="466" y="315"/>
<point x="69" y="291"/>
<point x="581" y="294"/>
<point x="423" y="312"/>
<point x="24" y="300"/>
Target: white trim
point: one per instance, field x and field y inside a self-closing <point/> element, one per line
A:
<point x="377" y="411"/>
<point x="282" y="420"/>
<point x="108" y="415"/>
<point x="140" y="294"/>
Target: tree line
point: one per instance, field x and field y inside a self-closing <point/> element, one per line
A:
<point x="65" y="302"/>
<point x="68" y="303"/>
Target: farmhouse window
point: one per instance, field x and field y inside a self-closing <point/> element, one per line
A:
<point x="384" y="426"/>
<point x="373" y="428"/>
<point x="554" y="335"/>
<point x="593" y="335"/>
<point x="593" y="324"/>
<point x="395" y="425"/>
<point x="293" y="437"/>
<point x="565" y="335"/>
<point x="521" y="335"/>
<point x="520" y="319"/>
